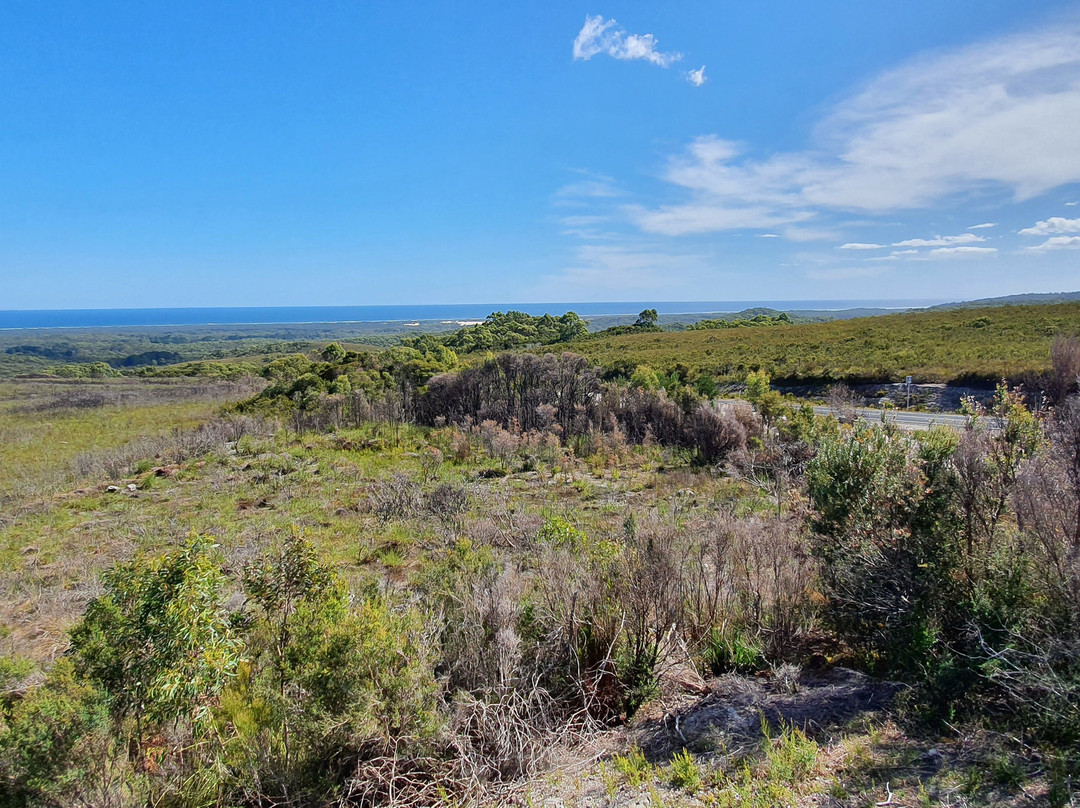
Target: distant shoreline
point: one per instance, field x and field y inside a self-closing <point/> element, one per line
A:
<point x="40" y="319"/>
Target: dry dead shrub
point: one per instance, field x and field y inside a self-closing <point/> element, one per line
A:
<point x="646" y="413"/>
<point x="774" y="465"/>
<point x="546" y="418"/>
<point x="402" y="780"/>
<point x="431" y="460"/>
<point x="87" y="395"/>
<point x="504" y="522"/>
<point x="499" y="443"/>
<point x="752" y="574"/>
<point x="717" y="430"/>
<point x="774" y="575"/>
<point x="843" y="402"/>
<point x="1064" y="378"/>
<point x="1033" y="655"/>
<point x="614" y="446"/>
<point x="447" y="502"/>
<point x="357" y="409"/>
<point x="321" y="413"/>
<point x="460" y="445"/>
<point x="650" y="587"/>
<point x="395" y="498"/>
<point x="542" y="446"/>
<point x="1048" y="505"/>
<point x="478" y="605"/>
<point x="510" y="734"/>
<point x="575" y="626"/>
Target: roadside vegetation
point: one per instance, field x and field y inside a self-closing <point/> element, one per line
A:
<point x="412" y="577"/>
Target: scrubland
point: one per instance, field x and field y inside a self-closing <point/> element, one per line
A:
<point x="387" y="579"/>
<point x="962" y="345"/>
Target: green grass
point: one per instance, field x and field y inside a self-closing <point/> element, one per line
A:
<point x="39" y="450"/>
<point x="935" y="346"/>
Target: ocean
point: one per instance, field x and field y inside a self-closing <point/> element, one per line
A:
<point x="274" y="315"/>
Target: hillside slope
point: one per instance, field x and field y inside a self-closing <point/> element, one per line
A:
<point x="932" y="346"/>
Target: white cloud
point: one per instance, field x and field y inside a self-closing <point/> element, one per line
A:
<point x="809" y="234"/>
<point x="1058" y="243"/>
<point x="983" y="226"/>
<point x="858" y="245"/>
<point x="768" y="235"/>
<point x="963" y="251"/>
<point x="598" y="36"/>
<point x="895" y="255"/>
<point x="843" y="273"/>
<point x="998" y="115"/>
<point x="1071" y="204"/>
<point x="679" y="220"/>
<point x="697" y="77"/>
<point x="940" y="241"/>
<point x="1055" y="224"/>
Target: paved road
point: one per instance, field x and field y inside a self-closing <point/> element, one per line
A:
<point x="905" y="420"/>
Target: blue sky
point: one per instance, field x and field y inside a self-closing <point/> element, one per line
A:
<point x="271" y="153"/>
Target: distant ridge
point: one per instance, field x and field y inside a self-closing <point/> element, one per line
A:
<point x="1009" y="300"/>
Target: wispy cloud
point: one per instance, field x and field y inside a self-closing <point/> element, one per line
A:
<point x="584" y="221"/>
<point x="983" y="226"/>
<point x="858" y="245"/>
<point x="598" y="36"/>
<point x="1055" y="224"/>
<point x="1058" y="243"/>
<point x="680" y="220"/>
<point x="896" y="255"/>
<point x="963" y="251"/>
<point x="997" y="115"/>
<point x="606" y="269"/>
<point x="591" y="188"/>
<point x="768" y="235"/>
<point x="697" y="77"/>
<point x="940" y="241"/>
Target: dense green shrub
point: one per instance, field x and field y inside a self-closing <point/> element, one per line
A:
<point x="330" y="681"/>
<point x="886" y="543"/>
<point x="56" y="745"/>
<point x="158" y="642"/>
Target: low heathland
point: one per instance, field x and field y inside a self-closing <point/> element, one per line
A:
<point x="390" y="579"/>
<point x="962" y="346"/>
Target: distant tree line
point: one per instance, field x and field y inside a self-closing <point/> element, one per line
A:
<point x="502" y="331"/>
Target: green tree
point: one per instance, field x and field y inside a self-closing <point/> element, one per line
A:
<point x="647" y="319"/>
<point x="287" y="369"/>
<point x="158" y="642"/>
<point x="333" y="352"/>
